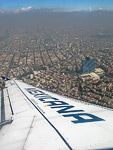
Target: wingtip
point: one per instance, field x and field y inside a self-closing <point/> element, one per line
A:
<point x="5" y="78"/>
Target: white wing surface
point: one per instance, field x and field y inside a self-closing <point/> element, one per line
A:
<point x="34" y="119"/>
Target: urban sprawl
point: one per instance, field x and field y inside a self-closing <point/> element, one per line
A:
<point x="51" y="57"/>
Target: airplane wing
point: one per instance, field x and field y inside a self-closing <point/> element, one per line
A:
<point x="35" y="119"/>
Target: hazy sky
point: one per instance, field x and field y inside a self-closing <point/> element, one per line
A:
<point x="57" y="4"/>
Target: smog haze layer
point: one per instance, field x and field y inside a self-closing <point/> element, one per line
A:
<point x="46" y="49"/>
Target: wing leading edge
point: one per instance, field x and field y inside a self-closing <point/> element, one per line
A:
<point x="44" y="120"/>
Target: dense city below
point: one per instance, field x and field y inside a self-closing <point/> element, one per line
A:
<point x="47" y="52"/>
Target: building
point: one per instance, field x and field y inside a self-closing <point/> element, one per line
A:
<point x="99" y="71"/>
<point x="90" y="77"/>
<point x="88" y="65"/>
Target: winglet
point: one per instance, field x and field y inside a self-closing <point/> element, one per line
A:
<point x="4" y="78"/>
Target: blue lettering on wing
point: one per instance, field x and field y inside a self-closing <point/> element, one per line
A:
<point x="41" y="95"/>
<point x="64" y="107"/>
<point x="80" y="119"/>
<point x="34" y="91"/>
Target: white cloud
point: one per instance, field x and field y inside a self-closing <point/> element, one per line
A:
<point x="90" y="9"/>
<point x="100" y="8"/>
<point x="22" y="9"/>
<point x="26" y="8"/>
